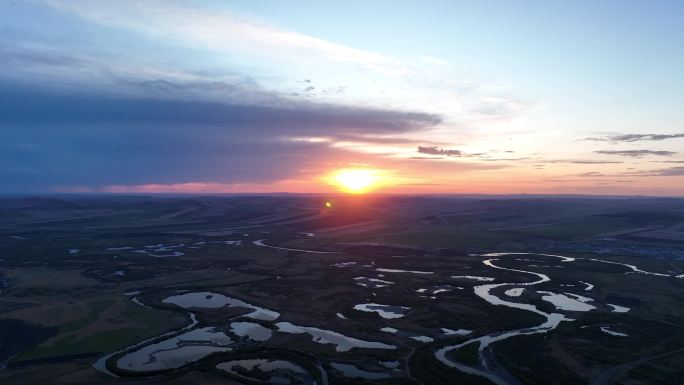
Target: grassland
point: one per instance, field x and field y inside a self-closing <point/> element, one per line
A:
<point x="63" y="309"/>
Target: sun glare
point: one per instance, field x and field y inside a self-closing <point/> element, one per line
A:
<point x="355" y="181"/>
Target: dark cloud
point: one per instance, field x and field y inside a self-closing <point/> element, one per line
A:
<point x="24" y="107"/>
<point x="635" y="153"/>
<point x="591" y="174"/>
<point x="438" y="151"/>
<point x="635" y="137"/>
<point x="671" y="171"/>
<point x="482" y="156"/>
<point x="92" y="139"/>
<point x="485" y="156"/>
<point x="163" y="86"/>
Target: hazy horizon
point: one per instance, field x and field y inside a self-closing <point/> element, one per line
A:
<point x="327" y="194"/>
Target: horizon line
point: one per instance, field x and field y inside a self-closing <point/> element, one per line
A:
<point x="315" y="194"/>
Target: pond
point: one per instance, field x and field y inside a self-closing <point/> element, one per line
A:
<point x="209" y="300"/>
<point x="176" y="351"/>
<point x="565" y="302"/>
<point x="403" y="271"/>
<point x="277" y="371"/>
<point x="251" y="330"/>
<point x="342" y="343"/>
<point x="353" y="371"/>
<point x="385" y="311"/>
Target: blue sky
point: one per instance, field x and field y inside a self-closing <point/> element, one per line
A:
<point x="212" y="96"/>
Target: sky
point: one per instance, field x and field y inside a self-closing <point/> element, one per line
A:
<point x="448" y="97"/>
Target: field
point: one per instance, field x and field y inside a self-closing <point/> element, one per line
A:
<point x="374" y="289"/>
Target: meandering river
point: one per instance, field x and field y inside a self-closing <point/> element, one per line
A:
<point x="484" y="367"/>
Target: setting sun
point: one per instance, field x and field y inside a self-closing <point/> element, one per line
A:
<point x="355" y="181"/>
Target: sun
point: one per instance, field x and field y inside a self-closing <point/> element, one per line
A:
<point x="355" y="181"/>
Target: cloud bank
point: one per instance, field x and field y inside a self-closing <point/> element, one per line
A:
<point x="65" y="138"/>
<point x="635" y="153"/>
<point x="438" y="151"/>
<point x="635" y="137"/>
